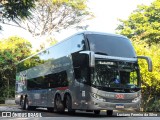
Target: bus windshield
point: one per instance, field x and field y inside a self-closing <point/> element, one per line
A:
<point x="115" y="76"/>
<point x="111" y="45"/>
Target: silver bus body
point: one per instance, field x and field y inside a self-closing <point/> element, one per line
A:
<point x="96" y="75"/>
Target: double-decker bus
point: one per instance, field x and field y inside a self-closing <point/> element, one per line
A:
<point x="89" y="71"/>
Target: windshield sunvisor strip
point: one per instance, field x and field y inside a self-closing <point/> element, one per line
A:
<point x="115" y="58"/>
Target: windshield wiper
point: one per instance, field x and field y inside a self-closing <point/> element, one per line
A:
<point x="101" y="53"/>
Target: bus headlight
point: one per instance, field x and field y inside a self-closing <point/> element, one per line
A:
<point x="17" y="96"/>
<point x="98" y="97"/>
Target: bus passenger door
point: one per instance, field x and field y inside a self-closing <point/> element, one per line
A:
<point x="80" y="65"/>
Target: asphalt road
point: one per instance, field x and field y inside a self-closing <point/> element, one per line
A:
<point x="40" y="114"/>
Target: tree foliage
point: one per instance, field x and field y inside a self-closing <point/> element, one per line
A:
<point x="12" y="50"/>
<point x="54" y="15"/>
<point x="16" y="8"/>
<point x="144" y="22"/>
<point x="143" y="28"/>
<point x="150" y="80"/>
<point x="13" y="10"/>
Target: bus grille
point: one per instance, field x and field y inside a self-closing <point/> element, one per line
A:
<point x="119" y="100"/>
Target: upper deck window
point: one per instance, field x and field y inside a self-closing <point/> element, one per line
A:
<point x="111" y="45"/>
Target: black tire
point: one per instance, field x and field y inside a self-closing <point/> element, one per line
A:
<point x="109" y="112"/>
<point x="26" y="106"/>
<point x="58" y="104"/>
<point x="97" y="112"/>
<point x="68" y="103"/>
<point x="22" y="104"/>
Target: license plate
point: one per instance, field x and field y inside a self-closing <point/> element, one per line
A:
<point x="119" y="106"/>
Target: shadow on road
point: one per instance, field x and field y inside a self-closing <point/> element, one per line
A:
<point x="46" y="113"/>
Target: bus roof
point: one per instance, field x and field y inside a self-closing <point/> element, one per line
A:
<point x="101" y="33"/>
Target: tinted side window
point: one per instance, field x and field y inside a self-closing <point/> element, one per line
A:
<point x="36" y="83"/>
<point x="77" y="43"/>
<point x="48" y="81"/>
<point x="57" y="80"/>
<point x="82" y="75"/>
<point x="29" y="63"/>
<point x="44" y="56"/>
<point x="59" y="50"/>
<point x="56" y="51"/>
<point x="73" y="44"/>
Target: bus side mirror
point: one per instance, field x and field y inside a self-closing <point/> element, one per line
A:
<point x="91" y="57"/>
<point x="149" y="61"/>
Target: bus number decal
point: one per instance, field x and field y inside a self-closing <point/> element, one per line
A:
<point x="119" y="96"/>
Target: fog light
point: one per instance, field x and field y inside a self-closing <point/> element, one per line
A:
<point x="136" y="99"/>
<point x="98" y="97"/>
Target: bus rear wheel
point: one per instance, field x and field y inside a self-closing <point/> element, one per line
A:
<point x="109" y="112"/>
<point x="26" y="106"/>
<point x="58" y="107"/>
<point x="68" y="103"/>
<point x="22" y="104"/>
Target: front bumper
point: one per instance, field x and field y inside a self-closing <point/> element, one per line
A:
<point x="97" y="105"/>
<point x="17" y="99"/>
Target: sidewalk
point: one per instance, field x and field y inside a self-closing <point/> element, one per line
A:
<point x="9" y="107"/>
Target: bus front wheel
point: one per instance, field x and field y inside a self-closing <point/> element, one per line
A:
<point x="69" y="104"/>
<point x="26" y="105"/>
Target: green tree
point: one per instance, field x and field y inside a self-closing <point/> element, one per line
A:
<point x="15" y="10"/>
<point x="143" y="28"/>
<point x="144" y="22"/>
<point x="54" y="15"/>
<point x="150" y="80"/>
<point x="12" y="50"/>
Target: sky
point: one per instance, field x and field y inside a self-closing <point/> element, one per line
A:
<point x="106" y="12"/>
